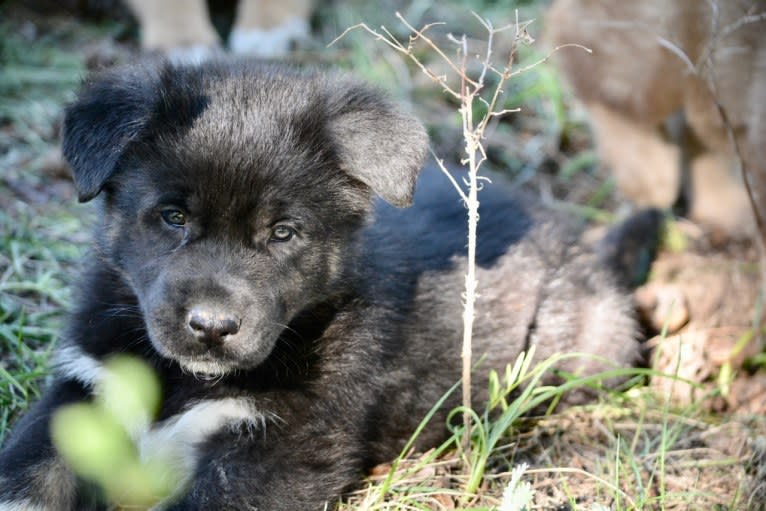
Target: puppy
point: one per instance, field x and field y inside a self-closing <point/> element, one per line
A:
<point x="652" y="59"/>
<point x="300" y="327"/>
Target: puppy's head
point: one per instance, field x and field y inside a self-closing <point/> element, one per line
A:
<point x="231" y="194"/>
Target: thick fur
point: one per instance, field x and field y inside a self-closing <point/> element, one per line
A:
<point x="348" y="331"/>
<point x="653" y="59"/>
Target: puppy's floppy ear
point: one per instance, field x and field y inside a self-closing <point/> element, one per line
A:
<point x="109" y="113"/>
<point x="379" y="145"/>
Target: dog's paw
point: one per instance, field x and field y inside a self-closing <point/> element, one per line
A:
<point x="269" y="43"/>
<point x="193" y="54"/>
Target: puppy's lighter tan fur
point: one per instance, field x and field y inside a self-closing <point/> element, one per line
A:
<point x="654" y="58"/>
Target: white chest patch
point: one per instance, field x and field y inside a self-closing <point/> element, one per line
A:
<point x="175" y="442"/>
<point x="73" y="363"/>
<point x="21" y="505"/>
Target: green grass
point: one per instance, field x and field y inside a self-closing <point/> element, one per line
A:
<point x="40" y="234"/>
<point x="34" y="292"/>
<point x="38" y="76"/>
<point x="626" y="451"/>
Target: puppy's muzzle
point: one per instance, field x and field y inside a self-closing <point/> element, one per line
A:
<point x="212" y="327"/>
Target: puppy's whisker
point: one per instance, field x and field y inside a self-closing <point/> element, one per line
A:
<point x="289" y="329"/>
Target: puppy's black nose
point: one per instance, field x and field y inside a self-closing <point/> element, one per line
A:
<point x="212" y="327"/>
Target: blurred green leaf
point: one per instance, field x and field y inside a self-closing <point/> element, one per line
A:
<point x="91" y="441"/>
<point x="130" y="392"/>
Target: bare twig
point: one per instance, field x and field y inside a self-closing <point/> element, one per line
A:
<point x="741" y="22"/>
<point x="458" y="188"/>
<point x="391" y="41"/>
<point x="547" y="57"/>
<point x="420" y="35"/>
<point x="678" y="52"/>
<point x="469" y="91"/>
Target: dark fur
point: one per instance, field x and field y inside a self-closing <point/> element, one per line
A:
<point x="350" y="331"/>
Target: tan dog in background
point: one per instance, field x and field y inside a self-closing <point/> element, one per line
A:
<point x="654" y="58"/>
<point x="182" y="28"/>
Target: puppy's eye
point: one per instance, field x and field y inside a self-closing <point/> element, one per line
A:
<point x="173" y="217"/>
<point x="282" y="233"/>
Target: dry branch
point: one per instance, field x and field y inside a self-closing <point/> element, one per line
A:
<point x="470" y="91"/>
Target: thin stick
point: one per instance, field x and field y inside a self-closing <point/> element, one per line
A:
<point x="469" y="90"/>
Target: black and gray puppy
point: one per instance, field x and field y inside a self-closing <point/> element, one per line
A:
<point x="301" y="328"/>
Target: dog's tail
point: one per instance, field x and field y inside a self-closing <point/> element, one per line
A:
<point x="629" y="248"/>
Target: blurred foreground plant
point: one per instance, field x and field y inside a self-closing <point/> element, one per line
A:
<point x="100" y="440"/>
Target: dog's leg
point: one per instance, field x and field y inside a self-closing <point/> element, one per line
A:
<point x="299" y="461"/>
<point x="755" y="145"/>
<point x="32" y="476"/>
<point x="646" y="167"/>
<point x="267" y="27"/>
<point x="719" y="199"/>
<point x="180" y="28"/>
